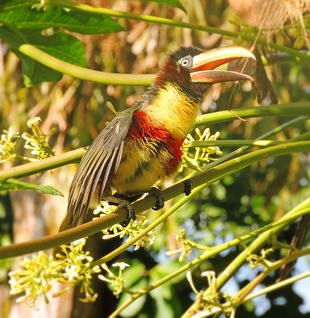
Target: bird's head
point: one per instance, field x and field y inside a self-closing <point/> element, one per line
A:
<point x="194" y="69"/>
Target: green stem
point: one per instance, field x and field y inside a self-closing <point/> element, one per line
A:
<point x="249" y="143"/>
<point x="268" y="134"/>
<point x="81" y="72"/>
<point x="206" y="178"/>
<point x="233" y="143"/>
<point x="254" y="246"/>
<point x="279" y="285"/>
<point x="211" y="252"/>
<point x="243" y="161"/>
<point x="209" y="119"/>
<point x="290" y="110"/>
<point x="43" y="165"/>
<point x="174" y="23"/>
<point x="244" y="292"/>
<point x="258" y="243"/>
<point x="264" y="291"/>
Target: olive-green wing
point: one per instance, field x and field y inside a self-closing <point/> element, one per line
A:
<point x="101" y="160"/>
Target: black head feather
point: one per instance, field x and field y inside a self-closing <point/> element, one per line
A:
<point x="186" y="51"/>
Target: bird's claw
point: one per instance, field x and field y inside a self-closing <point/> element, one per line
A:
<point x="187" y="187"/>
<point x="131" y="213"/>
<point x="122" y="203"/>
<point x="159" y="197"/>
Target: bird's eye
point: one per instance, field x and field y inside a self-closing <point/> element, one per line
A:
<point x="186" y="61"/>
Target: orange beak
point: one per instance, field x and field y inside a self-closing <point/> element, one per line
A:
<point x="204" y="64"/>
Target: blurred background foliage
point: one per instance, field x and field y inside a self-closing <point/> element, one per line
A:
<point x="241" y="202"/>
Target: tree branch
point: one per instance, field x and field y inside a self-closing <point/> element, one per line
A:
<point x="205" y="178"/>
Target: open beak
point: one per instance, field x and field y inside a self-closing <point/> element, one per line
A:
<point x="204" y="64"/>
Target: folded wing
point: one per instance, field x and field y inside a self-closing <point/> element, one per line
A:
<point x="100" y="161"/>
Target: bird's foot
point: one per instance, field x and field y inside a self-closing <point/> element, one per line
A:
<point x="131" y="213"/>
<point x="187" y="187"/>
<point x="159" y="197"/>
<point x="122" y="203"/>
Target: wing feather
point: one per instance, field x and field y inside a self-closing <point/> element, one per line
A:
<point x="100" y="161"/>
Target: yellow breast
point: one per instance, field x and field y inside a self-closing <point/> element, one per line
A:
<point x="173" y="109"/>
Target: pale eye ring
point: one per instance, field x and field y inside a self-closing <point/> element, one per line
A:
<point x="185" y="62"/>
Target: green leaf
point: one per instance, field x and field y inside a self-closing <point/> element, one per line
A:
<point x="60" y="45"/>
<point x="9" y="5"/>
<point x="53" y="17"/>
<point x="14" y="185"/>
<point x="23" y="25"/>
<point x="33" y="72"/>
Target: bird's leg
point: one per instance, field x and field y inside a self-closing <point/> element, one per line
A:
<point x="187" y="187"/>
<point x="125" y="200"/>
<point x="159" y="197"/>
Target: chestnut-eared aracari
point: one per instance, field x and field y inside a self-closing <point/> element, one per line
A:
<point x="143" y="144"/>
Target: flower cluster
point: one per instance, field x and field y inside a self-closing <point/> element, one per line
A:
<point x="117" y="282"/>
<point x="212" y="302"/>
<point x="73" y="266"/>
<point x="260" y="260"/>
<point x="132" y="230"/>
<point x="35" y="278"/>
<point x="37" y="142"/>
<point x="7" y="145"/>
<point x="78" y="269"/>
<point x="186" y="248"/>
<point x="202" y="154"/>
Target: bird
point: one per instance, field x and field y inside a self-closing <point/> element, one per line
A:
<point x="143" y="144"/>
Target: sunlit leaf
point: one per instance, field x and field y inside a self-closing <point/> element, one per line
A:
<point x="14" y="185"/>
<point x="53" y="17"/>
<point x="35" y="73"/>
<point x="62" y="46"/>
